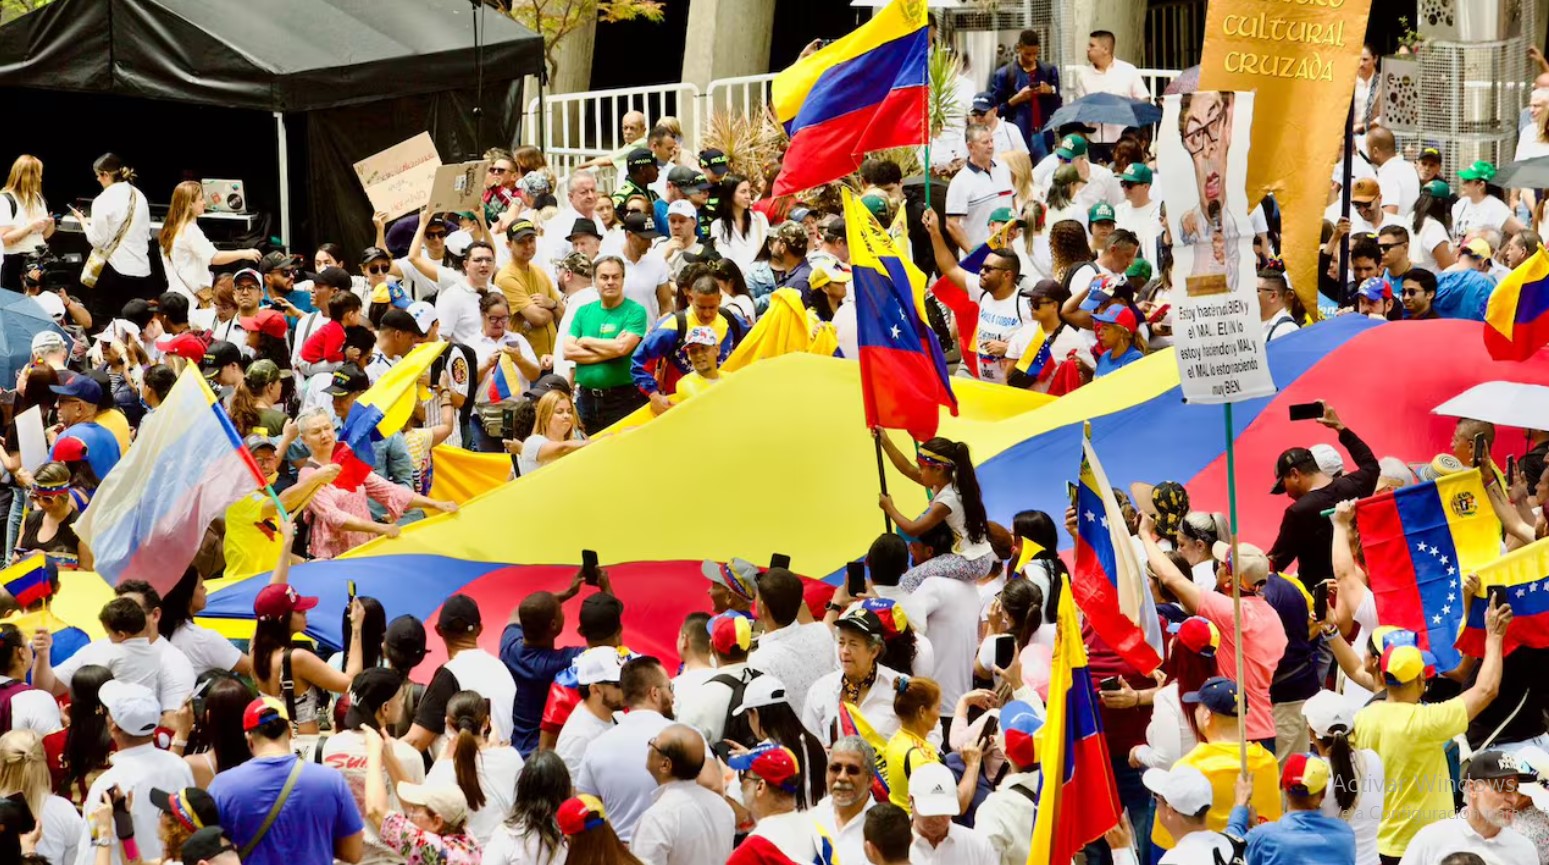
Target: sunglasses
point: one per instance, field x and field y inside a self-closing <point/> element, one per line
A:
<point x="435" y="235"/>
<point x="1411" y="292"/>
<point x="840" y="769"/>
<point x="1387" y="247"/>
<point x="498" y="170"/>
<point x="379" y="268"/>
<point x="1363" y="205"/>
<point x="988" y="266"/>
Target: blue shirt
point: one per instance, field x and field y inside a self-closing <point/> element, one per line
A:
<point x="1106" y="362"/>
<point x="534" y="669"/>
<point x="1297" y="838"/>
<point x="318" y="812"/>
<point x="101" y="446"/>
<point x="1296" y="678"/>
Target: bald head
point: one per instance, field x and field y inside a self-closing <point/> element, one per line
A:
<point x="633" y="124"/>
<point x="540" y="616"/>
<point x="684" y="748"/>
<point x="1542" y="80"/>
<point x="1380" y="144"/>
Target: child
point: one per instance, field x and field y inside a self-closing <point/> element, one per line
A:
<point x="326" y="346"/>
<point x="945" y="467"/>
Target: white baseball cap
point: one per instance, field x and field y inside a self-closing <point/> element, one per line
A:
<point x="682" y="207"/>
<point x="1326" y="710"/>
<point x="934" y="791"/>
<point x="48" y="340"/>
<point x="599" y="664"/>
<point x="763" y="691"/>
<point x="424" y="316"/>
<point x="1329" y="460"/>
<point x="132" y="707"/>
<point x="1535" y="757"/>
<point x="1184" y="788"/>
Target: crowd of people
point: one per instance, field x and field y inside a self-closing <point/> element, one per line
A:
<point x="893" y="722"/>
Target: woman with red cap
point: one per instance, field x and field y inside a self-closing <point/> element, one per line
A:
<point x="591" y="839"/>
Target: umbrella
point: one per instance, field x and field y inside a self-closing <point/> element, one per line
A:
<point x="1105" y="108"/>
<point x="1527" y="174"/>
<point x="21" y="318"/>
<point x="1503" y="403"/>
<point x="1186" y="82"/>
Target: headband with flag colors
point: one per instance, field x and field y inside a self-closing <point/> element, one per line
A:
<point x="1517" y="317"/>
<point x="29" y="580"/>
<point x="866" y="91"/>
<point x="380" y="412"/>
<point x="903" y="371"/>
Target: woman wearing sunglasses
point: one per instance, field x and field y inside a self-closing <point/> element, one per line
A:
<point x="49" y="526"/>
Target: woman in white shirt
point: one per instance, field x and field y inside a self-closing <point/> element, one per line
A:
<point x="496" y="341"/>
<point x="24" y="770"/>
<point x="1064" y="190"/>
<point x="734" y="290"/>
<point x="555" y="433"/>
<point x="530" y="836"/>
<point x="1356" y="790"/>
<point x="127" y="273"/>
<point x="1032" y="248"/>
<point x="376" y="701"/>
<point x="484" y="768"/>
<point x="1479" y="205"/>
<point x="739" y="231"/>
<point x="24" y="221"/>
<point x="1430" y="241"/>
<point x="1171" y="733"/>
<point x="186" y="254"/>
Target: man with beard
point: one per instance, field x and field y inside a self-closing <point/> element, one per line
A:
<point x="1483" y="827"/>
<point x="614" y="768"/>
<point x="842" y="813"/>
<point x="597" y="677"/>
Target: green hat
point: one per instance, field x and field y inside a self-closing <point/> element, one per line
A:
<point x="1136" y="172"/>
<point x="1139" y="271"/>
<point x="1102" y="211"/>
<point x="1480" y="170"/>
<point x="1071" y="146"/>
<point x="1004" y="214"/>
<point x="1437" y="189"/>
<point x="877" y="205"/>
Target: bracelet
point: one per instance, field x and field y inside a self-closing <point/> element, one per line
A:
<point x="180" y="743"/>
<point x="833" y="607"/>
<point x="101" y="842"/>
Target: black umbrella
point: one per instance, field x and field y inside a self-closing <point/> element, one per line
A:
<point x="1527" y="174"/>
<point x="1105" y="108"/>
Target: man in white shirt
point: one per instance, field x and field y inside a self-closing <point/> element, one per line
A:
<point x="1274" y="298"/>
<point x="138" y="767"/>
<point x="647" y="279"/>
<point x="977" y="191"/>
<point x="933" y="802"/>
<point x="698" y="663"/>
<point x="457" y="306"/>
<point x="325" y="285"/>
<point x="994" y="289"/>
<point x="128" y="653"/>
<point x="1183" y="799"/>
<point x="1139" y="212"/>
<point x="1483" y="827"/>
<point x="1108" y="74"/>
<point x="1006" y="136"/>
<point x="686" y="824"/>
<point x="842" y="813"/>
<point x="597" y="677"/>
<point x="574" y="273"/>
<point x="1366" y="203"/>
<point x="795" y="653"/>
<point x="730" y="635"/>
<point x="614" y="768"/>
<point x="581" y="190"/>
<point x="1397" y="176"/>
<point x="771" y="780"/>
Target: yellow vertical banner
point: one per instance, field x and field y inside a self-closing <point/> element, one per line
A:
<point x="1300" y="56"/>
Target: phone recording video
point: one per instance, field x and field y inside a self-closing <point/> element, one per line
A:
<point x="855" y="578"/>
<point x="589" y="567"/>
<point x="1306" y="411"/>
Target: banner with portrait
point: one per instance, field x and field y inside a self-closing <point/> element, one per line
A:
<point x="1202" y="161"/>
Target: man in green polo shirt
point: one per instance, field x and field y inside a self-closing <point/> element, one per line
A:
<point x="602" y="337"/>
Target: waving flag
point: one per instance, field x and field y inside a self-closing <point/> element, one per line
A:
<point x="1108" y="583"/>
<point x="1078" y="799"/>
<point x="380" y="412"/>
<point x="504" y="381"/>
<point x="1419" y="542"/>
<point x="853" y="723"/>
<point x="1525" y="574"/>
<point x="1517" y="317"/>
<point x="186" y="467"/>
<point x="903" y="372"/>
<point x="866" y="91"/>
<point x="29" y="580"/>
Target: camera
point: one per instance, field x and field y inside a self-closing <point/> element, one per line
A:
<point x="53" y="270"/>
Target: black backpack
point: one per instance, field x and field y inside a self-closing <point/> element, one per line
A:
<point x="1071" y="272"/>
<point x="735" y="726"/>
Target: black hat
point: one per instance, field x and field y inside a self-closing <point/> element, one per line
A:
<point x="601" y="616"/>
<point x="191" y="807"/>
<point x="547" y="383"/>
<point x="372" y="689"/>
<point x="218" y="356"/>
<point x="639" y="158"/>
<point x="688" y="179"/>
<point x="460" y="615"/>
<point x="335" y="277"/>
<point x="276" y="261"/>
<point x="642" y="224"/>
<point x="714" y="161"/>
<point x="374" y="253"/>
<point x="868" y="623"/>
<point x="583" y="226"/>
<point x="520" y="229"/>
<point x="1300" y="459"/>
<point x="1494" y="765"/>
<point x="348" y="379"/>
<point x="405" y="639"/>
<point x="206" y="844"/>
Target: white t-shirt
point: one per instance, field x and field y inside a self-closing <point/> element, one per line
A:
<point x="641" y="279"/>
<point x="1488" y="213"/>
<point x="188" y="268"/>
<point x="572" y="303"/>
<point x="158" y="666"/>
<point x="734" y="244"/>
<point x="421" y="287"/>
<point x="1074" y="211"/>
<point x="1400" y="184"/>
<point x="498" y="768"/>
<point x="1422" y="247"/>
<point x="506" y="847"/>
<point x="580" y="729"/>
<point x="999" y="320"/>
<point x="964" y="547"/>
<point x="11" y="218"/>
<point x="1145" y="222"/>
<point x="1121" y="78"/>
<point x="108" y="211"/>
<point x="1101" y="185"/>
<point x="62" y="829"/>
<point x="952" y="622"/>
<point x="1008" y="138"/>
<point x="1282" y="324"/>
<point x="1199" y="848"/>
<point x="485" y="346"/>
<point x="205" y="649"/>
<point x="1066" y="341"/>
<point x="1441" y="839"/>
<point x="1367" y="813"/>
<point x="478" y="670"/>
<point x="974" y="194"/>
<point x="457" y="307"/>
<point x="345" y="752"/>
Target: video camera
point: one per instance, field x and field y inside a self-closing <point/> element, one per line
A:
<point x="54" y="271"/>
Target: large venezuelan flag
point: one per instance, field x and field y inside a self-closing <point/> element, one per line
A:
<point x="380" y="412"/>
<point x="1419" y="542"/>
<point x="866" y="91"/>
<point x="1109" y="586"/>
<point x="1525" y="574"/>
<point x="1517" y="317"/>
<point x="1078" y="799"/>
<point x="903" y="372"/>
<point x="186" y="467"/>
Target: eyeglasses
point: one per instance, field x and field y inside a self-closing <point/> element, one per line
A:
<point x="1205" y="133"/>
<point x="498" y="170"/>
<point x="245" y="287"/>
<point x="483" y="259"/>
<point x="988" y="266"/>
<point x="379" y="268"/>
<point x="844" y="769"/>
<point x="497" y="319"/>
<point x="1411" y="292"/>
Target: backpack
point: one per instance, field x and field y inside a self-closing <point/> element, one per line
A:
<point x="1239" y="851"/>
<point x="734" y="725"/>
<point x="1071" y="272"/>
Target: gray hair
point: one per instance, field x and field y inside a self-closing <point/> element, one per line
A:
<point x="854" y="745"/>
<point x="317" y="411"/>
<point x="973" y="130"/>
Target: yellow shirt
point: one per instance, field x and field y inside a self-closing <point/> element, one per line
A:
<point x="252" y="547"/>
<point x="694" y="384"/>
<point x="1219" y="762"/>
<point x="114" y="422"/>
<point x="904" y="752"/>
<point x="520" y="286"/>
<point x="1409" y="738"/>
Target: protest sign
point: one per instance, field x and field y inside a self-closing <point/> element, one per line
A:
<point x="398" y="180"/>
<point x="458" y="187"/>
<point x="30" y="440"/>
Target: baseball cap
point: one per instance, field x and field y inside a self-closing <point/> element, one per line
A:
<point x="599" y="664"/>
<point x="824" y="273"/>
<point x="1185" y="789"/>
<point x="1218" y="694"/>
<point x="256" y="441"/>
<point x="48" y="340"/>
<point x="520" y="229"/>
<point x="1328" y="713"/>
<point x="1384" y="636"/>
<point x="1139" y="270"/>
<point x="534" y="184"/>
<point x="134" y="708"/>
<point x="261" y="711"/>
<point x="1493" y="765"/>
<point x="424" y="316"/>
<point x="1200" y="636"/>
<point x="459" y="615"/>
<point x="798" y="213"/>
<point x="682" y="207"/>
<point x="601" y="616"/>
<point x="576" y="263"/>
<point x="247" y="273"/>
<point x="185" y="345"/>
<point x="580" y="814"/>
<point x="1304" y="775"/>
<point x="860" y="619"/>
<point x="68" y="449"/>
<point x="206" y="845"/>
<point x="371" y="689"/>
<point x="1376" y="288"/>
<point x="278" y="600"/>
<point x="191" y="807"/>
<point x="640" y="157"/>
<point x="79" y="386"/>
<point x="934" y="791"/>
<point x="583" y="227"/>
<point x="444" y="800"/>
<point x="1019" y="726"/>
<point x="1300" y="459"/>
<point x="1136" y="172"/>
<point x="791" y="231"/>
<point x="1402" y="664"/>
<point x="1251" y="566"/>
<point x="1437" y="188"/>
<point x="1070" y="147"/>
<point x="983" y="101"/>
<point x="730" y="632"/>
<point x="1118" y="315"/>
<point x="1430" y="153"/>
<point x="700" y="336"/>
<point x="457" y="242"/>
<point x="276" y="261"/>
<point x="335" y="278"/>
<point x="642" y="224"/>
<point x="270" y="321"/>
<point x="714" y="161"/>
<point x="776" y="764"/>
<point x="892" y="616"/>
<point x="876" y="205"/>
<point x="348" y="379"/>
<point x="1364" y="191"/>
<point x="544" y="384"/>
<point x="1003" y="214"/>
<point x="405" y="636"/>
<point x="688" y="179"/>
<point x="1478" y="248"/>
<point x="1479" y="170"/>
<point x="738" y="576"/>
<point x="370" y="254"/>
<point x="1102" y="211"/>
<point x="1328" y="459"/>
<point x="762" y="691"/>
<point x="219" y="355"/>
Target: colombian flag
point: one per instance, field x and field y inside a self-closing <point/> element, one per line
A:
<point x="903" y="372"/>
<point x="28" y="581"/>
<point x="1108" y="583"/>
<point x="1525" y="574"/>
<point x="865" y="92"/>
<point x="380" y="412"/>
<point x="1517" y="318"/>
<point x="1419" y="542"/>
<point x="1080" y="801"/>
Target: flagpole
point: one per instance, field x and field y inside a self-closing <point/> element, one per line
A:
<point x="273" y="496"/>
<point x="876" y="439"/>
<point x="1231" y="505"/>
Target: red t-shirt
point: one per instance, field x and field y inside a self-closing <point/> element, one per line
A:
<point x="326" y="344"/>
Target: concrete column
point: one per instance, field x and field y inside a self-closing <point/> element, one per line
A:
<point x="727" y="39"/>
<point x="573" y="59"/>
<point x="1126" y="19"/>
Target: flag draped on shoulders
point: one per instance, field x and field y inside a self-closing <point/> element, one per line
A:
<point x="1525" y="575"/>
<point x="865" y="91"/>
<point x="1517" y="316"/>
<point x="380" y="412"/>
<point x="903" y="371"/>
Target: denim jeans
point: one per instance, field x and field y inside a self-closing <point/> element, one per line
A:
<point x="600" y="409"/>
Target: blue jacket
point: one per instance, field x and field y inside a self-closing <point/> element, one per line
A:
<point x="1462" y="294"/>
<point x="661" y="343"/>
<point x="1298" y="838"/>
<point x="1006" y="81"/>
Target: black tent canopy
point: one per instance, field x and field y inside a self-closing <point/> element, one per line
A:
<point x="363" y="73"/>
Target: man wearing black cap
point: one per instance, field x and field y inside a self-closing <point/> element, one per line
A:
<point x="536" y="306"/>
<point x="1006" y="136"/>
<point x="647" y="278"/>
<point x="468" y="668"/>
<point x="641" y="172"/>
<point x="279" y="272"/>
<point x="222" y="365"/>
<point x="210" y="846"/>
<point x="327" y="283"/>
<point x="1306" y="536"/>
<point x="1491" y="799"/>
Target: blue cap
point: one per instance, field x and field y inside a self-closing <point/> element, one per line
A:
<point x="80" y="387"/>
<point x="983" y="101"/>
<point x="1218" y="694"/>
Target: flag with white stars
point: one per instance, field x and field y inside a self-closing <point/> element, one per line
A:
<point x="1419" y="543"/>
<point x="1524" y="574"/>
<point x="1107" y="582"/>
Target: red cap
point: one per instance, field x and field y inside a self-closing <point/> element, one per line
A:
<point x="579" y="814"/>
<point x="69" y="449"/>
<point x="1118" y="315"/>
<point x="185" y="345"/>
<point x="278" y="601"/>
<point x="268" y="321"/>
<point x="774" y="764"/>
<point x="1200" y="636"/>
<point x="261" y="711"/>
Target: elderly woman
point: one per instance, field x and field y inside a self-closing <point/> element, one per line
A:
<point x="341" y="518"/>
<point x="861" y="679"/>
<point x="433" y="825"/>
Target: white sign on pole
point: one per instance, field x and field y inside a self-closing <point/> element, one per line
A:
<point x="1202" y="155"/>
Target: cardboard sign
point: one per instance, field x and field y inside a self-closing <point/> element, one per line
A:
<point x="398" y="180"/>
<point x="458" y="188"/>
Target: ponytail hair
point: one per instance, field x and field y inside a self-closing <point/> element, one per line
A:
<point x="913" y="695"/>
<point x="1341" y="759"/>
<point x="467" y="714"/>
<point x="111" y="165"/>
<point x="975" y="520"/>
